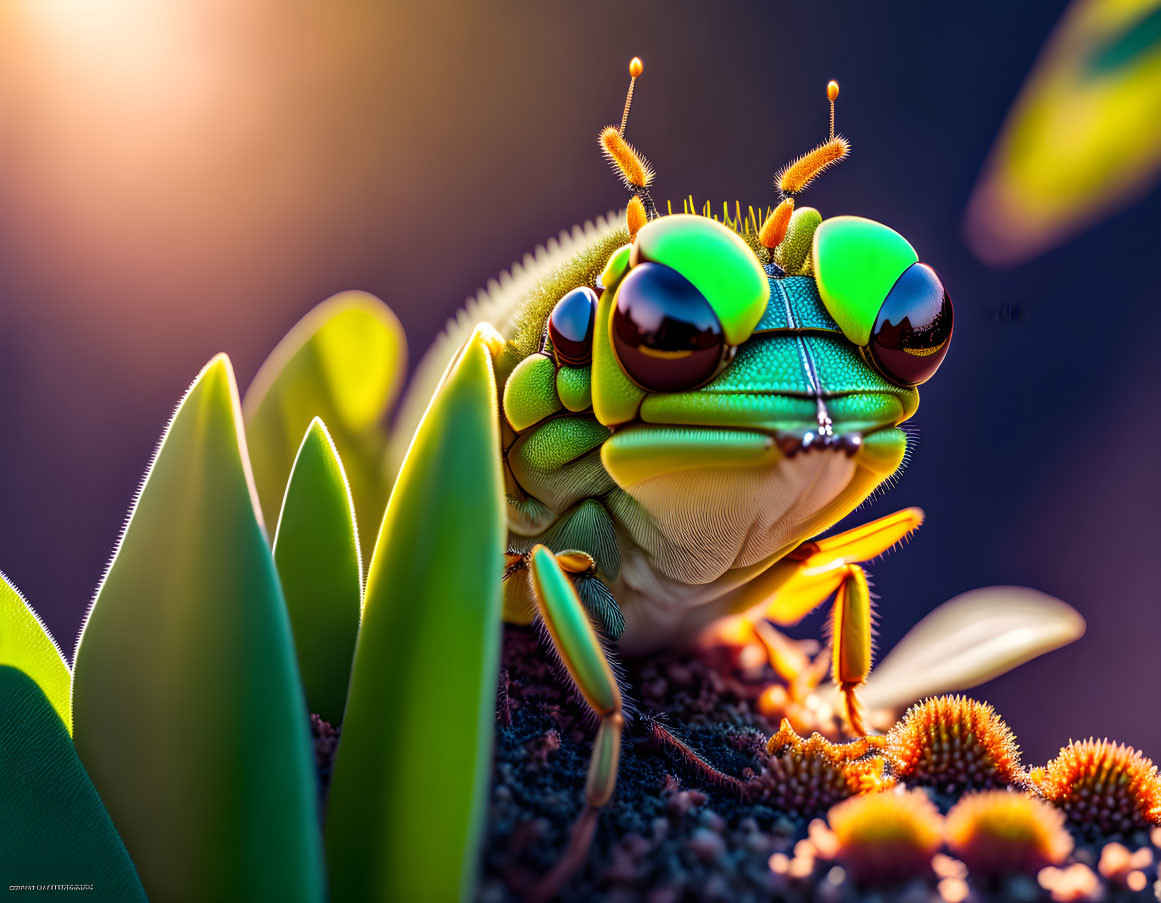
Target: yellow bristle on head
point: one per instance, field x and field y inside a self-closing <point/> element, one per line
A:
<point x="635" y="216"/>
<point x="633" y="168"/>
<point x="774" y="228"/>
<point x="798" y="174"/>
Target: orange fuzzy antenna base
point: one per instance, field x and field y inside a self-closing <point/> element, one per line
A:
<point x="774" y="229"/>
<point x="635" y="215"/>
<point x="797" y="175"/>
<point x="633" y="168"/>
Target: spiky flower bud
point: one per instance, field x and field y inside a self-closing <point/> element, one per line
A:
<point x="807" y="777"/>
<point x="952" y="744"/>
<point x="998" y="832"/>
<point x="887" y="837"/>
<point x="1103" y="788"/>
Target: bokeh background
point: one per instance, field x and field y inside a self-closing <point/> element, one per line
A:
<point x="192" y="176"/>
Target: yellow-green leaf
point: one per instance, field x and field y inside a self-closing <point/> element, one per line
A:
<point x="316" y="550"/>
<point x="25" y="643"/>
<point x="53" y="828"/>
<point x="408" y="788"/>
<point x="188" y="711"/>
<point x="344" y="363"/>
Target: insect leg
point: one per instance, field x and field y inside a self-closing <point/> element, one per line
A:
<point x="580" y="650"/>
<point x="822" y="563"/>
<point x="851" y="642"/>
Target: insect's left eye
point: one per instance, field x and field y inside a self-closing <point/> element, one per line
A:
<point x="665" y="333"/>
<point x="913" y="329"/>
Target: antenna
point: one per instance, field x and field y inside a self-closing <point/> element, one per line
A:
<point x="832" y="90"/>
<point x="633" y="169"/>
<point x="636" y="67"/>
<point x="796" y="175"/>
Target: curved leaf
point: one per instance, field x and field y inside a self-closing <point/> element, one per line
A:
<point x="53" y="828"/>
<point x="343" y="362"/>
<point x="970" y="639"/>
<point x="316" y="550"/>
<point x="188" y="711"/>
<point x="409" y="780"/>
<point x="25" y="643"/>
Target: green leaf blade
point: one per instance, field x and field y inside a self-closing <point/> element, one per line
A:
<point x="408" y="788"/>
<point x="25" y="643"/>
<point x="343" y="363"/>
<point x="53" y="827"/>
<point x="188" y="711"/>
<point x="316" y="549"/>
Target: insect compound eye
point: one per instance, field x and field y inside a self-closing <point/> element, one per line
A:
<point x="570" y="326"/>
<point x="910" y="337"/>
<point x="664" y="331"/>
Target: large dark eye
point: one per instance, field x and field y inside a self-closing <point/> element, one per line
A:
<point x="570" y="326"/>
<point x="665" y="333"/>
<point x="913" y="329"/>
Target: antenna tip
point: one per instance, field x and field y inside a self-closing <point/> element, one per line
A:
<point x="636" y="67"/>
<point x="832" y="89"/>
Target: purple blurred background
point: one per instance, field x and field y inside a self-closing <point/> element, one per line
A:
<point x="182" y="178"/>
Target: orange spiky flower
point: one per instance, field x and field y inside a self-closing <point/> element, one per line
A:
<point x="796" y="176"/>
<point x="626" y="161"/>
<point x="806" y="777"/>
<point x="887" y="837"/>
<point x="953" y="743"/>
<point x="998" y="832"/>
<point x="1103" y="788"/>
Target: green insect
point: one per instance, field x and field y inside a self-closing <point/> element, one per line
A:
<point x="639" y="454"/>
<point x="684" y="405"/>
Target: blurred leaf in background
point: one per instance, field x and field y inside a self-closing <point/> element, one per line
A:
<point x="343" y="363"/>
<point x="1082" y="139"/>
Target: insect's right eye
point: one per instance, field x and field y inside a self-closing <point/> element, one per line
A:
<point x="665" y="333"/>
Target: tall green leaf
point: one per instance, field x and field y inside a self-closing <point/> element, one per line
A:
<point x="344" y="363"/>
<point x="53" y="828"/>
<point x="188" y="710"/>
<point x="26" y="644"/>
<point x="407" y="792"/>
<point x="317" y="552"/>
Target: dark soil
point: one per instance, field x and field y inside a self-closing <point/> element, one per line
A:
<point x="672" y="832"/>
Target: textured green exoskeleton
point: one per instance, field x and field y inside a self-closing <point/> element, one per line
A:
<point x="671" y="448"/>
<point x="684" y="403"/>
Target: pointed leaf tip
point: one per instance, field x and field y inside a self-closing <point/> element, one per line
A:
<point x="188" y="708"/>
<point x="404" y="818"/>
<point x="316" y="549"/>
